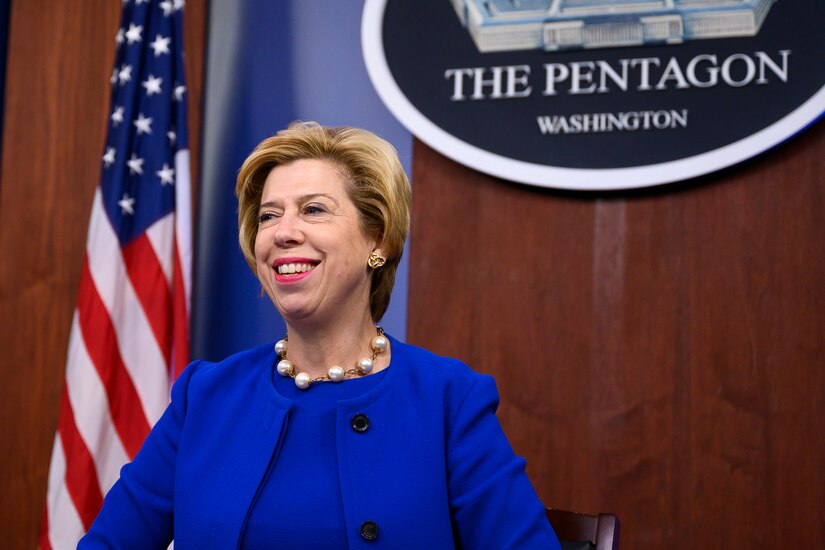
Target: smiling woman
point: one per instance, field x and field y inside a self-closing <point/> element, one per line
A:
<point x="311" y="249"/>
<point x="369" y="172"/>
<point x="338" y="435"/>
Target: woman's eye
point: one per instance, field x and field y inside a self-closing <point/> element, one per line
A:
<point x="265" y="217"/>
<point x="314" y="209"/>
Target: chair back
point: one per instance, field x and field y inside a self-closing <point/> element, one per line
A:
<point x="584" y="531"/>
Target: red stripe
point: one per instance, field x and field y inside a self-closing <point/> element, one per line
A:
<point x="181" y="324"/>
<point x="101" y="343"/>
<point x="152" y="289"/>
<point x="45" y="543"/>
<point x="81" y="476"/>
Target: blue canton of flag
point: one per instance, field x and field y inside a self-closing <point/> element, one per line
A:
<point x="148" y="121"/>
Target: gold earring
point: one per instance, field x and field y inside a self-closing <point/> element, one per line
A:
<point x="376" y="260"/>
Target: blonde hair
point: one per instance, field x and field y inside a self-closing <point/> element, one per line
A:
<point x="375" y="183"/>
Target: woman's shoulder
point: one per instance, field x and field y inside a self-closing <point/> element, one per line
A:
<point x="446" y="383"/>
<point x="436" y="368"/>
<point x="248" y="365"/>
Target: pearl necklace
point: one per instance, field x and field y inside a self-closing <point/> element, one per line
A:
<point x="334" y="374"/>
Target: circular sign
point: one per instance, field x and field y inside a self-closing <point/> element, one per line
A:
<point x="598" y="95"/>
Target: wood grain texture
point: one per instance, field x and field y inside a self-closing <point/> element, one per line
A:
<point x="659" y="353"/>
<point x="56" y="106"/>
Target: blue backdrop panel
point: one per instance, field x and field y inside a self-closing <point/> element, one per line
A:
<point x="270" y="63"/>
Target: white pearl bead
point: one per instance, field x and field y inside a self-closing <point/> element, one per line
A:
<point x="366" y="365"/>
<point x="336" y="374"/>
<point x="280" y="347"/>
<point x="284" y="367"/>
<point x="380" y="343"/>
<point x="302" y="380"/>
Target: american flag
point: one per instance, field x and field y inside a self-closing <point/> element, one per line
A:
<point x="129" y="336"/>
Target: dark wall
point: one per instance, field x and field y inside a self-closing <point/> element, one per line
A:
<point x="60" y="57"/>
<point x="659" y="354"/>
<point x="4" y="33"/>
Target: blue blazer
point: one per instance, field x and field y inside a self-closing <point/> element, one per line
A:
<point x="433" y="470"/>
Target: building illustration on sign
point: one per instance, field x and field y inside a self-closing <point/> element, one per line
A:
<point x="502" y="25"/>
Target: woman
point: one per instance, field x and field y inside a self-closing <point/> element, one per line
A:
<point x="340" y="436"/>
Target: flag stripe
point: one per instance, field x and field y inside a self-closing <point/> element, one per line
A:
<point x="146" y="364"/>
<point x="90" y="405"/>
<point x="180" y="327"/>
<point x="101" y="342"/>
<point x="80" y="468"/>
<point x="183" y="221"/>
<point x="63" y="527"/>
<point x="159" y="235"/>
<point x="151" y="288"/>
<point x="182" y="259"/>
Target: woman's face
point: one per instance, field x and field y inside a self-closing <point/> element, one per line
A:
<point x="311" y="250"/>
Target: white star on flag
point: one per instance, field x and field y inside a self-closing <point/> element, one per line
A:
<point x="143" y="124"/>
<point x="117" y="116"/>
<point x="109" y="157"/>
<point x="133" y="34"/>
<point x="135" y="164"/>
<point x="179" y="4"/>
<point x="160" y="45"/>
<point x="125" y="74"/>
<point x="113" y="78"/>
<point x="166" y="174"/>
<point x="172" y="136"/>
<point x="152" y="84"/>
<point x="179" y="91"/>
<point x="127" y="204"/>
<point x="119" y="37"/>
<point x="167" y="7"/>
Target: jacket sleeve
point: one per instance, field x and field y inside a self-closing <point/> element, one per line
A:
<point x="137" y="511"/>
<point x="492" y="502"/>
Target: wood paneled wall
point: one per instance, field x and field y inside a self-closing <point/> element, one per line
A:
<point x="60" y="57"/>
<point x="659" y="354"/>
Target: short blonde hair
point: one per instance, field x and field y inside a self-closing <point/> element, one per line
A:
<point x="375" y="182"/>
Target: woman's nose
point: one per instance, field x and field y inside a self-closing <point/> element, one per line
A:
<point x="288" y="232"/>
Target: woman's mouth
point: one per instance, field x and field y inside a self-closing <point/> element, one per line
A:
<point x="293" y="270"/>
<point x="289" y="269"/>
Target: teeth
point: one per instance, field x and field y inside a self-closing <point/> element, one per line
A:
<point x="288" y="269"/>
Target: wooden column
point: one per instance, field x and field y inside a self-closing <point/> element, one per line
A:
<point x="60" y="57"/>
<point x="659" y="354"/>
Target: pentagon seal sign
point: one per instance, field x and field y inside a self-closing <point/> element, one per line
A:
<point x="598" y="94"/>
